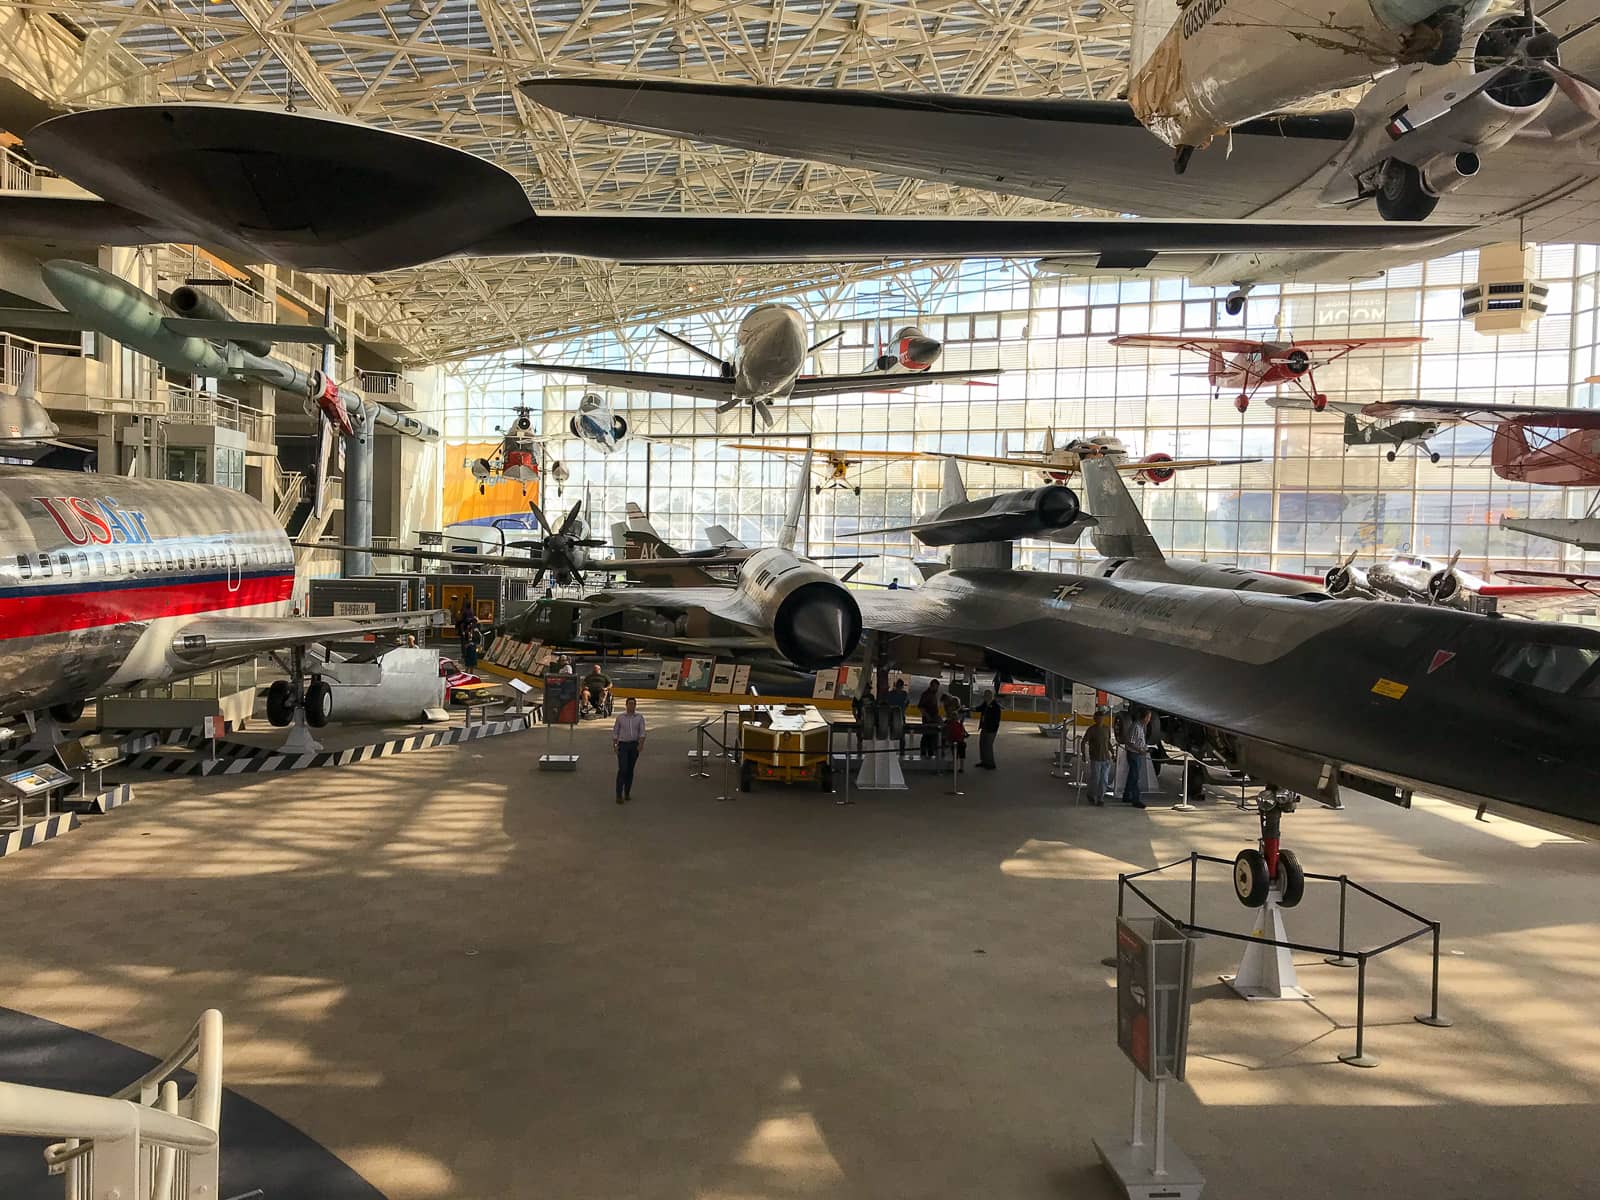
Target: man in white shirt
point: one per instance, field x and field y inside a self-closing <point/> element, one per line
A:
<point x="627" y="738"/>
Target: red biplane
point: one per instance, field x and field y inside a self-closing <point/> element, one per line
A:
<point x="1533" y="443"/>
<point x="1250" y="365"/>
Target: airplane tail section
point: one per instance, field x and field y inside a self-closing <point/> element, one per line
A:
<point x="1354" y="434"/>
<point x="22" y="417"/>
<point x="722" y="538"/>
<point x="969" y="556"/>
<point x="1119" y="530"/>
<point x="954" y="489"/>
<point x="797" y="505"/>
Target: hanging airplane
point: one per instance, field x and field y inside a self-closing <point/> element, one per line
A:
<point x="1249" y="365"/>
<point x="1417" y="579"/>
<point x="110" y="584"/>
<point x="1496" y="139"/>
<point x="1304" y="693"/>
<point x="384" y="201"/>
<point x="516" y="458"/>
<point x="1057" y="464"/>
<point x="1396" y="435"/>
<point x="1522" y="451"/>
<point x="771" y="351"/>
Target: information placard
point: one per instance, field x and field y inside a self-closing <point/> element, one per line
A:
<point x="1155" y="962"/>
<point x="560" y="699"/>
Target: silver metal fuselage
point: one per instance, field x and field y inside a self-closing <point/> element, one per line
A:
<point x="97" y="573"/>
<point x="771" y="353"/>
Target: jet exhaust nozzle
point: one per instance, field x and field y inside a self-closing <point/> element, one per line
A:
<point x="817" y="625"/>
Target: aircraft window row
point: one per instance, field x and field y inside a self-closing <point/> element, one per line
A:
<point x="1552" y="668"/>
<point x="92" y="564"/>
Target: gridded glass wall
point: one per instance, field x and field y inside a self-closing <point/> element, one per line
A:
<point x="1307" y="502"/>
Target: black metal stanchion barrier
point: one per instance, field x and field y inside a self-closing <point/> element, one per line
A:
<point x="726" y="757"/>
<point x="700" y="771"/>
<point x="1341" y="955"/>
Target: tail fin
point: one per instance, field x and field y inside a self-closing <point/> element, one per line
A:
<point x="797" y="504"/>
<point x="639" y="536"/>
<point x="1049" y="442"/>
<point x="1354" y="435"/>
<point x="722" y="538"/>
<point x="22" y="417"/>
<point x="1119" y="530"/>
<point x="955" y="489"/>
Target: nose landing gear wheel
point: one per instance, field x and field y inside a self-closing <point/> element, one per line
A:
<point x="1291" y="878"/>
<point x="1401" y="196"/>
<point x="1250" y="880"/>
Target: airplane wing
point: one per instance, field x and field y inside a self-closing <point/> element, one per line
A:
<point x="1553" y="579"/>
<point x="265" y="331"/>
<point x="1089" y="152"/>
<point x="710" y="387"/>
<point x="525" y="562"/>
<point x="849" y="455"/>
<point x="1348" y="344"/>
<point x="1201" y="345"/>
<point x="1131" y="465"/>
<point x="213" y="641"/>
<point x="1548" y="415"/>
<point x="52" y="217"/>
<point x="877" y="381"/>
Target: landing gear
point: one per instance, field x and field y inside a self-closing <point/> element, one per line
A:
<point x="818" y="489"/>
<point x="1433" y="457"/>
<point x="1319" y="402"/>
<point x="1448" y="24"/>
<point x="68" y="714"/>
<point x="1242" y="402"/>
<point x="858" y="491"/>
<point x="1180" y="160"/>
<point x="1234" y="304"/>
<point x="1389" y="455"/>
<point x="480" y="489"/>
<point x="1258" y="871"/>
<point x="293" y="702"/>
<point x="1401" y="196"/>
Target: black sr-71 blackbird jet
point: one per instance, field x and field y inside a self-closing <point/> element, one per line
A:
<point x="1304" y="691"/>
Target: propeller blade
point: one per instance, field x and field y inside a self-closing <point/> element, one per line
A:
<point x="832" y="337"/>
<point x="571" y="517"/>
<point x="1454" y="559"/>
<point x="1584" y="95"/>
<point x="720" y="363"/>
<point x="533" y="507"/>
<point x="851" y="573"/>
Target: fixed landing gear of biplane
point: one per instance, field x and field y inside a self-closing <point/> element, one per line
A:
<point x="1234" y="304"/>
<point x="1241" y="402"/>
<point x="295" y="704"/>
<point x="1267" y="867"/>
<point x="1319" y="402"/>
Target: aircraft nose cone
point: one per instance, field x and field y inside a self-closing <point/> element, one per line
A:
<point x="924" y="350"/>
<point x="66" y="278"/>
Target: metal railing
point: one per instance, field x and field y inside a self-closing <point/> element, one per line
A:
<point x="396" y="388"/>
<point x="17" y="174"/>
<point x="145" y="1141"/>
<point x="177" y="264"/>
<point x="190" y="406"/>
<point x="1339" y="956"/>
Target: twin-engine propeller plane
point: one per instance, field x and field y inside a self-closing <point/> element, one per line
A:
<point x="1249" y="365"/>
<point x="772" y="350"/>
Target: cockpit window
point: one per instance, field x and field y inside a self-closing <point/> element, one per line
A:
<point x="1549" y="667"/>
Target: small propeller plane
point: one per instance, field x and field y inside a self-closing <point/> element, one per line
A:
<point x="1533" y="443"/>
<point x="1250" y="365"/>
<point x="1058" y="464"/>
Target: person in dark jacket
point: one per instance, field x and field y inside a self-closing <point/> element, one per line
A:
<point x="988" y="730"/>
<point x="928" y="706"/>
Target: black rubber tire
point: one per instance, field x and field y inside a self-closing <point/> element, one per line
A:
<point x="68" y="714"/>
<point x="319" y="704"/>
<point x="1390" y="456"/>
<point x="1292" y="877"/>
<point x="1451" y="25"/>
<point x="825" y="778"/>
<point x="1234" y="304"/>
<point x="747" y="776"/>
<point x="1401" y="196"/>
<point x="279" y="706"/>
<point x="1250" y="881"/>
<point x="1433" y="458"/>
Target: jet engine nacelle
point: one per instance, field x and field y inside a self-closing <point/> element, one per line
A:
<point x="1155" y="474"/>
<point x="1002" y="518"/>
<point x="192" y="302"/>
<point x="815" y="621"/>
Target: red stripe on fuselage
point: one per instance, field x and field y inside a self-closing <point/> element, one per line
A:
<point x="60" y="612"/>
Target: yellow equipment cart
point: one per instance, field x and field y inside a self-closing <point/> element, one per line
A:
<point x="784" y="744"/>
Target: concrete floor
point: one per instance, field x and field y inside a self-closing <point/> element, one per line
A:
<point x="469" y="979"/>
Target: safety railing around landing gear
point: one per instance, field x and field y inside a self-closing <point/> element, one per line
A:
<point x="1341" y="955"/>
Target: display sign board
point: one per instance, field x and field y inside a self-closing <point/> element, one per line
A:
<point x="1155" y="962"/>
<point x="741" y="678"/>
<point x="1084" y="700"/>
<point x="354" y="608"/>
<point x="1022" y="689"/>
<point x="826" y="686"/>
<point x="560" y="699"/>
<point x="35" y="781"/>
<point x="667" y="681"/>
<point x="695" y="674"/>
<point x="722" y="679"/>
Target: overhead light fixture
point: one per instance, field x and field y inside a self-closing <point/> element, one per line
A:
<point x="207" y="80"/>
<point x="677" y="45"/>
<point x="418" y="11"/>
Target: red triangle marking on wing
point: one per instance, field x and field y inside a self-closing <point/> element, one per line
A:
<point x="1440" y="657"/>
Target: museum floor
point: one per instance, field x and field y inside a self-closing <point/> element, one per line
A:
<point x="469" y="979"/>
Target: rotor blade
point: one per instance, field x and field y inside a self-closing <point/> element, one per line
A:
<point x="851" y="573"/>
<point x="533" y="507"/>
<point x="832" y="337"/>
<point x="691" y="347"/>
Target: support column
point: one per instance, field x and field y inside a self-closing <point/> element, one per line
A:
<point x="358" y="492"/>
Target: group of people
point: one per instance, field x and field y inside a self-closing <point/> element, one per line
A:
<point x="1132" y="731"/>
<point x="942" y="721"/>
